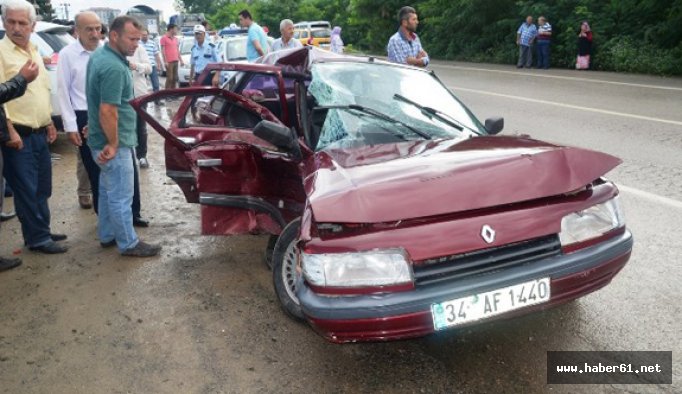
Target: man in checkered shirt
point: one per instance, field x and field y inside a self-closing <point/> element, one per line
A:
<point x="524" y="39"/>
<point x="404" y="46"/>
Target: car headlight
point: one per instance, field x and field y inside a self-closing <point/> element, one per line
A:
<point x="362" y="269"/>
<point x="591" y="222"/>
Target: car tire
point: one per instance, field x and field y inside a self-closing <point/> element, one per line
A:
<point x="269" y="250"/>
<point x="284" y="270"/>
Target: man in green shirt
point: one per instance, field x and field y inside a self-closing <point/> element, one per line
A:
<point x="112" y="136"/>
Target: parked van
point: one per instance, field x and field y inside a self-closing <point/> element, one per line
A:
<point x="314" y="33"/>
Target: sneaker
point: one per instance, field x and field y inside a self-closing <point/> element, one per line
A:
<point x="142" y="249"/>
<point x="144" y="163"/>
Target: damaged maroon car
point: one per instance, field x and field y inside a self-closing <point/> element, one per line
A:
<point x="394" y="212"/>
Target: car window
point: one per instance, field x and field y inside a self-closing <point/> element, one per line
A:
<point x="236" y="49"/>
<point x="186" y="46"/>
<point x="216" y="111"/>
<point x="56" y="40"/>
<point x="374" y="86"/>
<point x="264" y="83"/>
<point x="304" y="34"/>
<point x="297" y="34"/>
<point x="321" y="33"/>
<point x="2" y="34"/>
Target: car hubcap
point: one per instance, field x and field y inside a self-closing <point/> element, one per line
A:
<point x="289" y="273"/>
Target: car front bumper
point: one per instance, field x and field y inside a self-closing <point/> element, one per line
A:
<point x="391" y="316"/>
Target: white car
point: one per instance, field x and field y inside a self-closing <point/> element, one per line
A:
<point x="186" y="44"/>
<point x="50" y="38"/>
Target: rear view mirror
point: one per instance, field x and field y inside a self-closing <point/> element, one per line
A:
<point x="280" y="136"/>
<point x="494" y="125"/>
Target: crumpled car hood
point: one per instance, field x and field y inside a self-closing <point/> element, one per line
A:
<point x="416" y="179"/>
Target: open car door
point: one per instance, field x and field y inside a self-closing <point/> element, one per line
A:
<point x="244" y="184"/>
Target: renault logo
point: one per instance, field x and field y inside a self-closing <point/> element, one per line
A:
<point x="488" y="234"/>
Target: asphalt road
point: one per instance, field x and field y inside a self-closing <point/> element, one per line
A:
<point x="203" y="318"/>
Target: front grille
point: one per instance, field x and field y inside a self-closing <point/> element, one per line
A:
<point x="485" y="261"/>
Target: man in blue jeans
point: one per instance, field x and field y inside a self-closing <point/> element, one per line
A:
<point x="113" y="138"/>
<point x="27" y="164"/>
<point x="543" y="40"/>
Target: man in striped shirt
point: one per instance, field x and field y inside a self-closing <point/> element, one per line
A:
<point x="154" y="58"/>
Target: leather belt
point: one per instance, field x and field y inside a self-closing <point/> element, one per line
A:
<point x="25" y="131"/>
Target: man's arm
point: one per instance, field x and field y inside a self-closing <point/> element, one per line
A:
<point x="145" y="65"/>
<point x="259" y="49"/>
<point x="13" y="88"/>
<point x="64" y="81"/>
<point x="108" y="118"/>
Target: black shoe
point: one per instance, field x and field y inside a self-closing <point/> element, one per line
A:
<point x="58" y="237"/>
<point x="7" y="216"/>
<point x="108" y="244"/>
<point x="6" y="264"/>
<point x="142" y="249"/>
<point x="139" y="222"/>
<point x="51" y="248"/>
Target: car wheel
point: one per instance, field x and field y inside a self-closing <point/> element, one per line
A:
<point x="285" y="274"/>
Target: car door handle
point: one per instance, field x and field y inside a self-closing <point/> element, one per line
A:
<point x="188" y="140"/>
<point x="209" y="162"/>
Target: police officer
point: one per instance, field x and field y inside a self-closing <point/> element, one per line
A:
<point x="203" y="53"/>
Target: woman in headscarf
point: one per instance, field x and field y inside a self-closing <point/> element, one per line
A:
<point x="336" y="41"/>
<point x="584" y="47"/>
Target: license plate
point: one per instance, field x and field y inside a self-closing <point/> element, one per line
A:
<point x="481" y="306"/>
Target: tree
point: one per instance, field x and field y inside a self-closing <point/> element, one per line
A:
<point x="45" y="10"/>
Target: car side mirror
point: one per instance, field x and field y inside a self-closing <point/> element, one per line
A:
<point x="280" y="136"/>
<point x="494" y="125"/>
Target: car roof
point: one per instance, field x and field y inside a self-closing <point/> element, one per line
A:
<point x="302" y="59"/>
<point x="45" y="27"/>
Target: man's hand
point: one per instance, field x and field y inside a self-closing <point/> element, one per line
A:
<point x="422" y="54"/>
<point x="133" y="66"/>
<point x="215" y="82"/>
<point x="85" y="131"/>
<point x="75" y="138"/>
<point x="29" y="71"/>
<point x="51" y="133"/>
<point x="107" y="153"/>
<point x="15" y="141"/>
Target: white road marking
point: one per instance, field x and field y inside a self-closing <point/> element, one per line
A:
<point x="563" y="105"/>
<point x="539" y="75"/>
<point x="651" y="196"/>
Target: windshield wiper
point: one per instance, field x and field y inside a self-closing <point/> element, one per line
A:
<point x="379" y="115"/>
<point x="432" y="112"/>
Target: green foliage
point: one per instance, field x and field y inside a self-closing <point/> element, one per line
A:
<point x="629" y="35"/>
<point x="45" y="10"/>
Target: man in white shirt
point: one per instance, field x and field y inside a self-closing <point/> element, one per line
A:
<point x="73" y="60"/>
<point x="71" y="76"/>
<point x="287" y="40"/>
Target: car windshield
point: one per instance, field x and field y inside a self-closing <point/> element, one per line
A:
<point x="186" y="46"/>
<point x="236" y="49"/>
<point x="321" y="33"/>
<point x="375" y="87"/>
